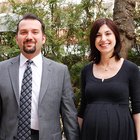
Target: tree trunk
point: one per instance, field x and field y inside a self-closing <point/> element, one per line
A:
<point x="123" y="17"/>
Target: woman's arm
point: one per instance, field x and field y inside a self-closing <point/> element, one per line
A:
<point x="134" y="86"/>
<point x="137" y="124"/>
<point x="83" y="101"/>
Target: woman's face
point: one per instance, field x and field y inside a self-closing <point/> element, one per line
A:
<point x="105" y="40"/>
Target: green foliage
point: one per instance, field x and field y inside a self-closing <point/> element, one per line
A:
<point x="7" y="52"/>
<point x="75" y="71"/>
<point x="8" y="48"/>
<point x="134" y="55"/>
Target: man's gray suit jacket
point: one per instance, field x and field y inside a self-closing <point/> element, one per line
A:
<point x="55" y="98"/>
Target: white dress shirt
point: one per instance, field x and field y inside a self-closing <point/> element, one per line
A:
<point x="36" y="82"/>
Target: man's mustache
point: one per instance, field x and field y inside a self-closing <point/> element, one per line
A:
<point x="29" y="40"/>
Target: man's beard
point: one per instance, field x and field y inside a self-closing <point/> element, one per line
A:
<point x="26" y="50"/>
<point x="29" y="51"/>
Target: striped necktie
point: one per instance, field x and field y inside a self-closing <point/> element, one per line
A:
<point x="24" y="124"/>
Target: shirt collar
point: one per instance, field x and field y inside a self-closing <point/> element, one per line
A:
<point x="37" y="60"/>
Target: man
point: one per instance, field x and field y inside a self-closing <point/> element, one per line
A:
<point x="50" y="87"/>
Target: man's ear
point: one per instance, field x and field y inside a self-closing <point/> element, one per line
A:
<point x="16" y="39"/>
<point x="44" y="38"/>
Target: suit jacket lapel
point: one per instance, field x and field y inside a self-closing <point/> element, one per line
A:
<point x="14" y="72"/>
<point x="46" y="75"/>
<point x="14" y="76"/>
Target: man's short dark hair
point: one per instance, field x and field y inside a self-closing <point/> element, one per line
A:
<point x="32" y="17"/>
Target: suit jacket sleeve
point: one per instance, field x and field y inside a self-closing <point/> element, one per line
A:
<point x="0" y="109"/>
<point x="68" y="110"/>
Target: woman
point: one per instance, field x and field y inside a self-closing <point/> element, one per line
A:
<point x="107" y="84"/>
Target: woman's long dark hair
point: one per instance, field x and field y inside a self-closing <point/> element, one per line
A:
<point x="94" y="53"/>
